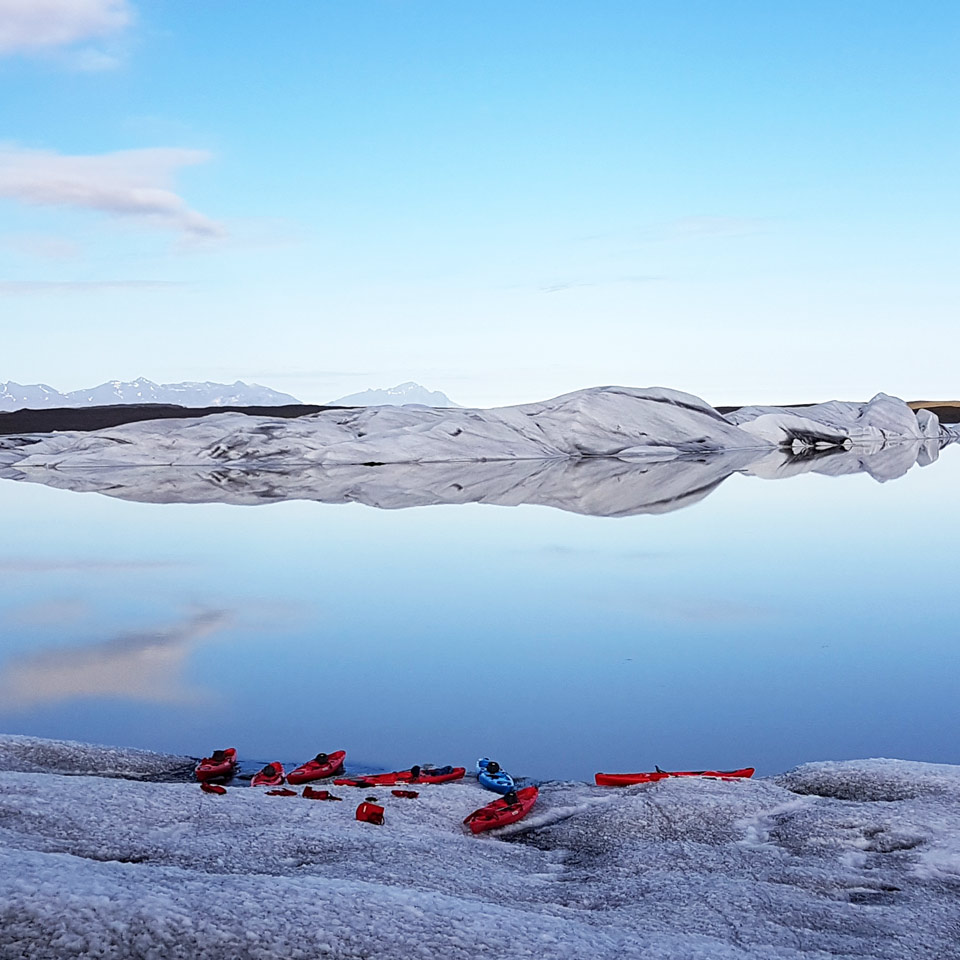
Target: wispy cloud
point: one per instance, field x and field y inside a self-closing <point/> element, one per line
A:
<point x="91" y="60"/>
<point x="41" y="25"/>
<point x="128" y="184"/>
<point x="561" y="285"/>
<point x="145" y="666"/>
<point x="27" y="287"/>
<point x="78" y="564"/>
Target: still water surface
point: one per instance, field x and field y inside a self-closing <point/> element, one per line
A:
<point x="772" y="623"/>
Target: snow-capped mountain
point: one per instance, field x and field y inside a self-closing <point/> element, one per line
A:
<point x="29" y="396"/>
<point x="398" y="396"/>
<point x="37" y="396"/>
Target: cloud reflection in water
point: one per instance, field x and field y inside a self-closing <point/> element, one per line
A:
<point x="146" y="666"/>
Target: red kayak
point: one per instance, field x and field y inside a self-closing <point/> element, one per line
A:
<point x="321" y="766"/>
<point x="413" y="775"/>
<point x="221" y="765"/>
<point x="503" y="810"/>
<point x="627" y="779"/>
<point x="270" y="776"/>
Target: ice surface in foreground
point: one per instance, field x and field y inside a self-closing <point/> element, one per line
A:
<point x="623" y="422"/>
<point x="841" y="860"/>
<point x="37" y="755"/>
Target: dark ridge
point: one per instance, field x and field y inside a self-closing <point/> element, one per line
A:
<point x="98" y="418"/>
<point x="945" y="414"/>
<point x="786" y="406"/>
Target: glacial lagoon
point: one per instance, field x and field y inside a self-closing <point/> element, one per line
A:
<point x="688" y="615"/>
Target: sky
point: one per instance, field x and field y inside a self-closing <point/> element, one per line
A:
<point x="754" y="202"/>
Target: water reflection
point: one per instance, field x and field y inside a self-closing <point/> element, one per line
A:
<point x="146" y="666"/>
<point x="774" y="623"/>
<point x="597" y="486"/>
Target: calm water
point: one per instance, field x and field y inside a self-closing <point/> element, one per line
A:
<point x="772" y="623"/>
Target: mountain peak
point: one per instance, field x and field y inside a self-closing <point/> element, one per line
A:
<point x="400" y="395"/>
<point x="16" y="396"/>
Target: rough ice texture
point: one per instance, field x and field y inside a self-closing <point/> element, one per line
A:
<point x="609" y="451"/>
<point x="839" y="860"/>
<point x="881" y="419"/>
<point x="654" y="423"/>
<point x="596" y="486"/>
<point x="36" y="755"/>
<point x="602" y="422"/>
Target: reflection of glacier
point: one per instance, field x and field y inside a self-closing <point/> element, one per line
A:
<point x="607" y="451"/>
<point x="598" y="486"/>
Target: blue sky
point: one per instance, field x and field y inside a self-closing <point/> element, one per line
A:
<point x="505" y="201"/>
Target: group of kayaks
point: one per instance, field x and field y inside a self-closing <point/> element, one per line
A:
<point x="513" y="804"/>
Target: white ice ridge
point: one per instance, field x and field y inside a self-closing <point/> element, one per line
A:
<point x="882" y="419"/>
<point x="847" y="860"/>
<point x="624" y="422"/>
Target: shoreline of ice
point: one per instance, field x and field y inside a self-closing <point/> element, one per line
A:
<point x="841" y="859"/>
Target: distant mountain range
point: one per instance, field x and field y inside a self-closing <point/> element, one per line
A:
<point x="40" y="396"/>
<point x="402" y="393"/>
<point x="37" y="396"/>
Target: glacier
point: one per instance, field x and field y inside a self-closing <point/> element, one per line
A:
<point x="624" y="422"/>
<point x="605" y="451"/>
<point x="852" y="859"/>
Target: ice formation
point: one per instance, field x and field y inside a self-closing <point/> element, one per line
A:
<point x="847" y="860"/>
<point x="881" y="420"/>
<point x="609" y="451"/>
<point x="627" y="423"/>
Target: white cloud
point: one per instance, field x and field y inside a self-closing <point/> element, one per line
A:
<point x="129" y="184"/>
<point x="26" y="287"/>
<point x="91" y="60"/>
<point x="36" y="25"/>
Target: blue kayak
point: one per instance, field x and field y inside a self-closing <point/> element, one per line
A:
<point x="493" y="778"/>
